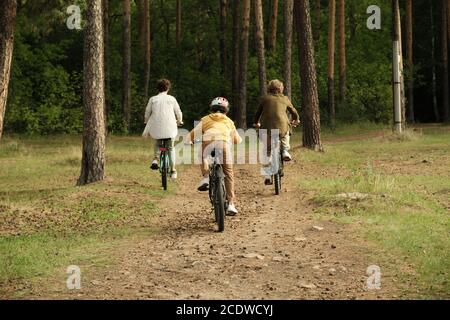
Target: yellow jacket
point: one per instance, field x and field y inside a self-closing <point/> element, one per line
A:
<point x="215" y="127"/>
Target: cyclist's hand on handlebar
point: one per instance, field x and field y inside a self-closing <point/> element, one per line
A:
<point x="295" y="123"/>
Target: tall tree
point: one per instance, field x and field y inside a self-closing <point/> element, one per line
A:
<point x="287" y="67"/>
<point x="310" y="111"/>
<point x="318" y="23"/>
<point x="93" y="152"/>
<point x="7" y="24"/>
<point x="331" y="51"/>
<point x="259" y="37"/>
<point x="437" y="116"/>
<point x="397" y="68"/>
<point x="342" y="57"/>
<point x="105" y="4"/>
<point x="235" y="54"/>
<point x="444" y="48"/>
<point x="409" y="58"/>
<point x="222" y="36"/>
<point x="273" y="25"/>
<point x="126" y="63"/>
<point x="147" y="46"/>
<point x="241" y="118"/>
<point x="140" y="20"/>
<point x="178" y="23"/>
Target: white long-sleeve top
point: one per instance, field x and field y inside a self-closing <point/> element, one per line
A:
<point x="162" y="116"/>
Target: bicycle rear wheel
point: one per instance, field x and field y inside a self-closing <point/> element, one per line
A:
<point x="164" y="169"/>
<point x="277" y="183"/>
<point x="219" y="203"/>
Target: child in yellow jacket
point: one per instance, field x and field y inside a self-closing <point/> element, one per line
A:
<point x="218" y="131"/>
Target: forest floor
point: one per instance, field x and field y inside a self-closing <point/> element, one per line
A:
<point x="371" y="199"/>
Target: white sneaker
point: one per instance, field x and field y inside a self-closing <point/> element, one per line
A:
<point x="204" y="184"/>
<point x="231" y="210"/>
<point x="154" y="165"/>
<point x="174" y="175"/>
<point x="286" y="155"/>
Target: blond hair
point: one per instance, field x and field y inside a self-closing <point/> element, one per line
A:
<point x="275" y="87"/>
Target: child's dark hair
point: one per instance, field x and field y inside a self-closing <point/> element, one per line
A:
<point x="163" y="85"/>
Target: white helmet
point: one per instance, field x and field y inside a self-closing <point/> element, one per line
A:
<point x="220" y="104"/>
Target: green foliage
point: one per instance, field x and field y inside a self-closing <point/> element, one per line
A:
<point x="46" y="84"/>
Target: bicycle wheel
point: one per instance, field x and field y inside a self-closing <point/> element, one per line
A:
<point x="219" y="201"/>
<point x="164" y="169"/>
<point x="277" y="183"/>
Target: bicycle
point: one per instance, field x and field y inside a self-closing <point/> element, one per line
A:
<point x="277" y="164"/>
<point x="164" y="163"/>
<point x="217" y="193"/>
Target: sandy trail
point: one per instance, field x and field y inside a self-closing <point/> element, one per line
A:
<point x="271" y="250"/>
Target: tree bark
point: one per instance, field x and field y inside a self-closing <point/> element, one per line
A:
<point x="444" y="47"/>
<point x="106" y="61"/>
<point x="273" y="25"/>
<point x="342" y="54"/>
<point x="331" y="52"/>
<point x="93" y="152"/>
<point x="287" y="69"/>
<point x="126" y="64"/>
<point x="241" y="119"/>
<point x="147" y="47"/>
<point x="178" y="23"/>
<point x="259" y="37"/>
<point x="409" y="58"/>
<point x="310" y="112"/>
<point x="222" y="36"/>
<point x="7" y="24"/>
<point x="235" y="54"/>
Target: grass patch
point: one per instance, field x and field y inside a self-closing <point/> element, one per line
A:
<point x="398" y="188"/>
<point x="46" y="222"/>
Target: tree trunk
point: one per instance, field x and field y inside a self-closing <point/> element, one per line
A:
<point x="147" y="47"/>
<point x="318" y="22"/>
<point x="7" y="24"/>
<point x="259" y="37"/>
<point x="106" y="61"/>
<point x="287" y="72"/>
<point x="235" y="54"/>
<point x="310" y="111"/>
<point x="342" y="57"/>
<point x="437" y="116"/>
<point x="409" y="58"/>
<point x="397" y="68"/>
<point x="140" y="21"/>
<point x="178" y="23"/>
<point x="241" y="118"/>
<point x="331" y="50"/>
<point x="444" y="45"/>
<point x="93" y="154"/>
<point x="126" y="64"/>
<point x="273" y="25"/>
<point x="222" y="37"/>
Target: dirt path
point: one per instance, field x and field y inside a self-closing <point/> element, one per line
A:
<point x="187" y="259"/>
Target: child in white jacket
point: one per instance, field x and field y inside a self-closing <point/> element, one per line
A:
<point x="162" y="116"/>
